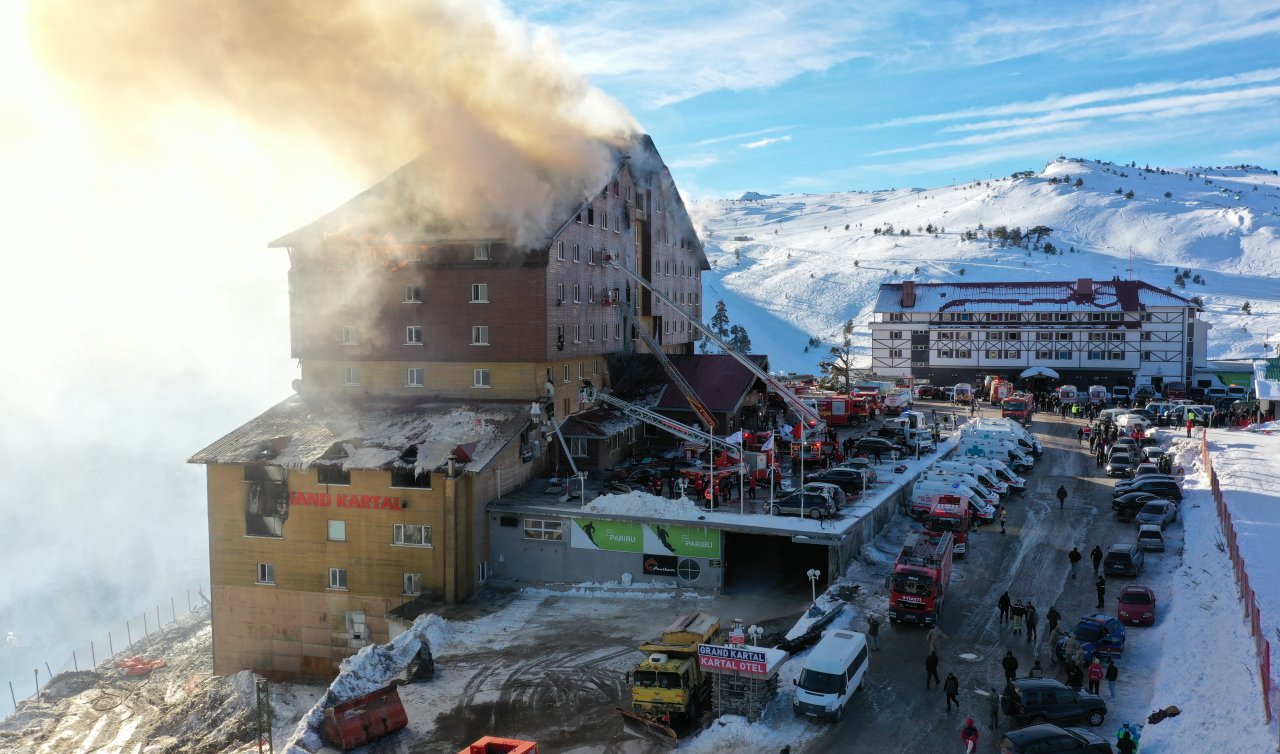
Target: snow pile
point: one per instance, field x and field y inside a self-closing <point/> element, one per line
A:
<point x="370" y="669"/>
<point x="637" y="503"/>
<point x="1206" y="666"/>
<point x="735" y="733"/>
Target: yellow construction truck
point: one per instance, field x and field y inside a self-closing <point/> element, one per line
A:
<point x="667" y="686"/>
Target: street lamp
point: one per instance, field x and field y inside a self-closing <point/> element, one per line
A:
<point x="582" y="485"/>
<point x="813" y="574"/>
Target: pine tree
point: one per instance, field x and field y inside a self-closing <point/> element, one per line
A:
<point x="838" y="366"/>
<point x="739" y="339"/>
<point x="720" y="321"/>
<point x="1246" y="308"/>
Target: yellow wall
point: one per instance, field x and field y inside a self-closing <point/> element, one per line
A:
<point x="270" y="627"/>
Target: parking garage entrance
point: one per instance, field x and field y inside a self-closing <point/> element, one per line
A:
<point x="771" y="563"/>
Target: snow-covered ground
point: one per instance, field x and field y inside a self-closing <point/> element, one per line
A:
<point x="808" y="263"/>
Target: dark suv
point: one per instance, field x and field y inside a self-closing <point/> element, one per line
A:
<point x="1165" y="488"/>
<point x="1124" y="560"/>
<point x="1050" y="739"/>
<point x="1039" y="700"/>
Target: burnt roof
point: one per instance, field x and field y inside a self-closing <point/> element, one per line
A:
<point x="1104" y="295"/>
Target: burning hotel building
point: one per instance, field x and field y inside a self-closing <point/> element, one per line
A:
<point x="432" y="354"/>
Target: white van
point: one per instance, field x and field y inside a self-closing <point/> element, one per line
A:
<point x="1067" y="393"/>
<point x="923" y="488"/>
<point x="979" y="472"/>
<point x="985" y="493"/>
<point x="1002" y="471"/>
<point x="1002" y="450"/>
<point x="1097" y="394"/>
<point x="989" y="432"/>
<point x="1018" y="430"/>
<point x="963" y="393"/>
<point x="831" y="673"/>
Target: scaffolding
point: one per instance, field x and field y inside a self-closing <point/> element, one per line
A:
<point x="742" y="693"/>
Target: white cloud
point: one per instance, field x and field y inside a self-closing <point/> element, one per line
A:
<point x="766" y="142"/>
<point x="693" y="161"/>
<point x="734" y="137"/>
<point x="987" y="138"/>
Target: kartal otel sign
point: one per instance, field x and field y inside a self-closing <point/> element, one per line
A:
<point x="323" y="500"/>
<point x="737" y="659"/>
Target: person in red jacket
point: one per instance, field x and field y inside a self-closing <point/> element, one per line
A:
<point x="1096" y="672"/>
<point x="969" y="735"/>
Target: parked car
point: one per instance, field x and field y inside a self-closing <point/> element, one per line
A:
<point x="865" y="465"/>
<point x="869" y="446"/>
<point x="848" y="479"/>
<point x="1047" y="738"/>
<point x="1120" y="464"/>
<point x="1152" y="453"/>
<point x="1136" y="606"/>
<point x="1166" y="488"/>
<point x="1104" y="632"/>
<point x="1126" y="442"/>
<point x="1122" y="486"/>
<point x="1151" y="537"/>
<point x="1040" y="700"/>
<point x="1143" y="468"/>
<point x="638" y="476"/>
<point x="1127" y="506"/>
<point x="809" y="504"/>
<point x="1159" y="513"/>
<point x="1124" y="560"/>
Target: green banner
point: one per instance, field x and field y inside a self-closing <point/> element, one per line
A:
<point x="617" y="536"/>
<point x="685" y="541"/>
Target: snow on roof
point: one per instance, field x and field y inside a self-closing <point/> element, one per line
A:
<point x="598" y="422"/>
<point x="299" y="432"/>
<point x="1107" y="295"/>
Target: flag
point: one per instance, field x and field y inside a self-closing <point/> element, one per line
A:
<point x="734" y="439"/>
<point x="797" y="432"/>
<point x="768" y="444"/>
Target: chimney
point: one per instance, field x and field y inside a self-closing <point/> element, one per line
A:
<point x="1084" y="288"/>
<point x="908" y="294"/>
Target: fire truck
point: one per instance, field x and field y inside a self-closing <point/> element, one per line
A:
<point x="918" y="585"/>
<point x="950" y="513"/>
<point x="1017" y="406"/>
<point x="999" y="390"/>
<point x="870" y="397"/>
<point x="835" y="409"/>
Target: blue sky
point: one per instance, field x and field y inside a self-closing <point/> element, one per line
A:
<point x="814" y="96"/>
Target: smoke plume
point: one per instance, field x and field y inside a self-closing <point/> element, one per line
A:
<point x="505" y="132"/>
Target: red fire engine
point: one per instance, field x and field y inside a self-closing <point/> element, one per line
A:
<point x="1017" y="406"/>
<point x="835" y="409"/>
<point x="950" y="513"/>
<point x="918" y="585"/>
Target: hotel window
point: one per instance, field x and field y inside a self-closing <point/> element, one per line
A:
<point x="1117" y="336"/>
<point x="577" y="253"/>
<point x="481" y="252"/>
<point x="578" y="447"/>
<point x="1115" y="355"/>
<point x="1044" y="355"/>
<point x="1097" y="336"/>
<point x="1064" y="336"/>
<point x="412" y="294"/>
<point x="577" y="333"/>
<point x="538" y="528"/>
<point x="946" y="354"/>
<point x="604" y="220"/>
<point x="1115" y="317"/>
<point x="413" y="335"/>
<point x="1064" y="356"/>
<point x="414" y="377"/>
<point x="1097" y="355"/>
<point x="411" y="535"/>
<point x="480" y="335"/>
<point x="351" y="376"/>
<point x="560" y="250"/>
<point x="412" y="583"/>
<point x="1013" y="336"/>
<point x="617" y="223"/>
<point x="1044" y="336"/>
<point x="895" y="353"/>
<point x="1043" y="317"/>
<point x="564" y="373"/>
<point x="266" y="573"/>
<point x="482" y="571"/>
<point x="559" y="293"/>
<point x="1097" y="317"/>
<point x="964" y="353"/>
<point x="591" y="294"/>
<point x="479" y="378"/>
<point x="409" y="477"/>
<point x="479" y="293"/>
<point x="604" y="331"/>
<point x="617" y="332"/>
<point x="591" y="217"/>
<point x="897" y="318"/>
<point x="1064" y="317"/>
<point x="338" y="578"/>
<point x="332" y="474"/>
<point x="1144" y="336"/>
<point x="337" y="531"/>
<point x="582" y="370"/>
<point x="591" y="255"/>
<point x="895" y="335"/>
<point x="350" y="335"/>
<point x="993" y="354"/>
<point x="577" y="293"/>
<point x="1146" y="356"/>
<point x="591" y="333"/>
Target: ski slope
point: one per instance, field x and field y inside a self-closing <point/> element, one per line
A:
<point x="794" y="267"/>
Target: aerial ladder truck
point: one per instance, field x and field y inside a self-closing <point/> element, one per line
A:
<point x="808" y="415"/>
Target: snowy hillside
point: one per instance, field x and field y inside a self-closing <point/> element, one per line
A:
<point x="794" y="267"/>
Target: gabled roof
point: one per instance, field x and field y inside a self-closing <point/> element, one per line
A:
<point x="718" y="379"/>
<point x="1048" y="296"/>
<point x="299" y="432"/>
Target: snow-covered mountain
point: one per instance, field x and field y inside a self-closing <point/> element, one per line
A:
<point x="791" y="268"/>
